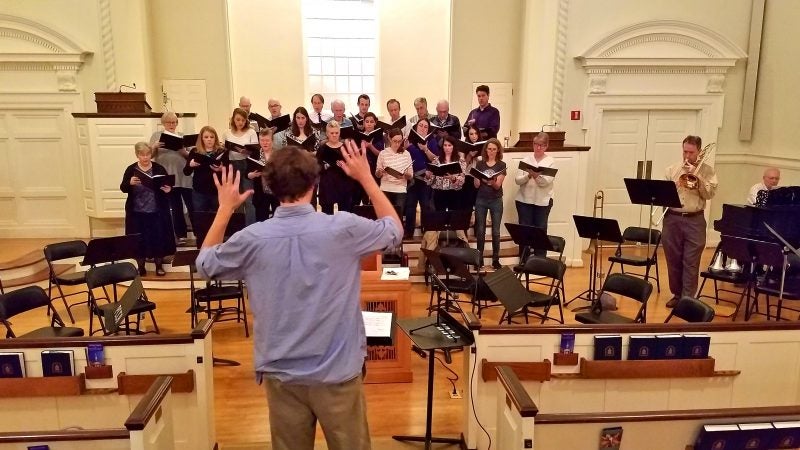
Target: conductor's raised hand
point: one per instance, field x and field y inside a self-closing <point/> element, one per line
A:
<point x="355" y="163"/>
<point x="227" y="182"/>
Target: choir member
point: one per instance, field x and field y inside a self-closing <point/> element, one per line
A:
<point x="241" y="134"/>
<point x="490" y="197"/>
<point x="447" y="189"/>
<point x="449" y="123"/>
<point x="147" y="210"/>
<point x="173" y="161"/>
<point x="363" y="109"/>
<point x="485" y="117"/>
<point x="419" y="193"/>
<point x="398" y="159"/>
<point x="535" y="198"/>
<point x="421" y="105"/>
<point x="335" y="187"/>
<point x="337" y="108"/>
<point x="264" y="200"/>
<point x="299" y="131"/>
<point x="317" y="114"/>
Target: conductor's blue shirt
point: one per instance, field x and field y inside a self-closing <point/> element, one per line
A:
<point x="303" y="275"/>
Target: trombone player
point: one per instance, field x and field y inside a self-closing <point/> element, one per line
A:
<point x="684" y="231"/>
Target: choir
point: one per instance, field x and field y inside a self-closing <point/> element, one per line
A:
<point x="421" y="164"/>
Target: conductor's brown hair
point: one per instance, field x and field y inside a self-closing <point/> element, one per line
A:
<point x="290" y="173"/>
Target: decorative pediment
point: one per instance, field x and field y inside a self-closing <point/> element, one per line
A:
<point x="663" y="46"/>
<point x="30" y="46"/>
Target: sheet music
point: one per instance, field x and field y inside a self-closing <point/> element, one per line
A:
<point x="395" y="273"/>
<point x="377" y="324"/>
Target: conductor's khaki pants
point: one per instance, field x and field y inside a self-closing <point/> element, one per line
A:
<point x="340" y="408"/>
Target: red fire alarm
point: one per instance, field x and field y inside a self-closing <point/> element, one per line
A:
<point x="575" y="115"/>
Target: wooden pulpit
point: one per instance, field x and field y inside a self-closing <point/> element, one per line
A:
<point x="121" y="103"/>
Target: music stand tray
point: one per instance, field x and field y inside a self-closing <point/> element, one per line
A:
<point x="111" y="249"/>
<point x="446" y="220"/>
<point x="529" y="237"/>
<point x="437" y="332"/>
<point x="653" y="192"/>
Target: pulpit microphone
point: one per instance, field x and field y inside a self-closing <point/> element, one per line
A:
<point x="125" y="85"/>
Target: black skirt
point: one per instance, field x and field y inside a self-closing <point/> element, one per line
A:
<point x="156" y="238"/>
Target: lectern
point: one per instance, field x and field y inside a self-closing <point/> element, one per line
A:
<point x="121" y="102"/>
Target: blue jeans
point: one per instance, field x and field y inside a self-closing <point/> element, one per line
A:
<point x="536" y="216"/>
<point x="418" y="193"/>
<point x="494" y="206"/>
<point x="245" y="184"/>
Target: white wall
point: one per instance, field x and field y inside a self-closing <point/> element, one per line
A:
<point x="268" y="60"/>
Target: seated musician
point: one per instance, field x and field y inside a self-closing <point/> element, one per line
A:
<point x="769" y="181"/>
<point x="684" y="230"/>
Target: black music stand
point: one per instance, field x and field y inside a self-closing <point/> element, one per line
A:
<point x="787" y="247"/>
<point x="204" y="219"/>
<point x="757" y="252"/>
<point x="447" y="221"/>
<point x="597" y="229"/>
<point x="441" y="332"/>
<point x="528" y="237"/>
<point x="652" y="193"/>
<point x="392" y="255"/>
<point x="111" y="249"/>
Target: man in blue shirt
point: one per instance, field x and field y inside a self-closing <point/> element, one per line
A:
<point x="486" y="118"/>
<point x="302" y="270"/>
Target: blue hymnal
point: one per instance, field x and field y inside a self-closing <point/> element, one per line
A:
<point x="567" y="343"/>
<point x="12" y="365"/>
<point x="669" y="346"/>
<point x="642" y="346"/>
<point x="57" y="363"/>
<point x="695" y="346"/>
<point x="95" y="355"/>
<point x="785" y="435"/>
<point x="607" y="347"/>
<point x="756" y="436"/>
<point x="719" y="437"/>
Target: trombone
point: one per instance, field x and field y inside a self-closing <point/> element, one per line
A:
<point x="599" y="202"/>
<point x="687" y="179"/>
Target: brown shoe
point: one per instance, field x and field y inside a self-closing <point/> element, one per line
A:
<point x="672" y="302"/>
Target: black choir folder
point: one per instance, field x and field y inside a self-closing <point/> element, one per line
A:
<point x="279" y="123"/>
<point x="369" y="137"/>
<point x="607" y="347"/>
<point x="440" y="170"/>
<point x="416" y="138"/>
<point x="58" y="363"/>
<point x="546" y="171"/>
<point x="486" y="174"/>
<point x="211" y="159"/>
<point x="246" y="149"/>
<point x="399" y="124"/>
<point x="309" y="143"/>
<point x="12" y="365"/>
<point x="449" y="129"/>
<point x="255" y="165"/>
<point x="172" y="141"/>
<point x="155" y="182"/>
<point x="394" y="172"/>
<point x="470" y="147"/>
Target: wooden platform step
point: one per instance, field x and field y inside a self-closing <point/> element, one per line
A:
<point x="30" y="258"/>
<point x="36" y="277"/>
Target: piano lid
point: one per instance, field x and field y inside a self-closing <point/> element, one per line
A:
<point x="748" y="221"/>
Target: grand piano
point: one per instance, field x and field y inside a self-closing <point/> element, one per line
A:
<point x="745" y="237"/>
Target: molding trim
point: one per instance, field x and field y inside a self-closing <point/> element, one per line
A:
<point x="56" y="52"/>
<point x="560" y="61"/>
<point x="692" y="49"/>
<point x="107" y="40"/>
<point x="780" y="162"/>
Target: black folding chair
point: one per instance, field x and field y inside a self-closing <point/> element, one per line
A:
<point x="57" y="252"/>
<point x="639" y="235"/>
<point x="112" y="275"/>
<point x="627" y="286"/>
<point x="691" y="310"/>
<point x="27" y="299"/>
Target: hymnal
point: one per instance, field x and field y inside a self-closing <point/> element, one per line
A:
<point x="309" y="143"/>
<point x="486" y="174"/>
<point x="441" y="170"/>
<point x="12" y="365"/>
<point x="546" y="171"/>
<point x="155" y="182"/>
<point x="610" y="438"/>
<point x="95" y="354"/>
<point x="394" y="172"/>
<point x="378" y="327"/>
<point x="668" y="346"/>
<point x="58" y="363"/>
<point x="695" y="346"/>
<point x="642" y="347"/>
<point x="785" y="435"/>
<point x="399" y="124"/>
<point x="172" y="141"/>
<point x="246" y="149"/>
<point x="756" y="436"/>
<point x="207" y="159"/>
<point x="416" y="138"/>
<point x="469" y="147"/>
<point x="346" y="133"/>
<point x="278" y="124"/>
<point x="190" y="140"/>
<point x="449" y="129"/>
<point x="254" y="165"/>
<point x="567" y="343"/>
<point x="369" y="137"/>
<point x="715" y="437"/>
<point x="607" y="347"/>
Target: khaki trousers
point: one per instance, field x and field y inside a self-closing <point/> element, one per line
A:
<point x="340" y="408"/>
<point x="683" y="240"/>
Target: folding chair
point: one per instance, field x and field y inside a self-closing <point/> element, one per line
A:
<point x="111" y="275"/>
<point x="27" y="299"/>
<point x="691" y="310"/>
<point x="57" y="252"/>
<point x="639" y="235"/>
<point x="627" y="286"/>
